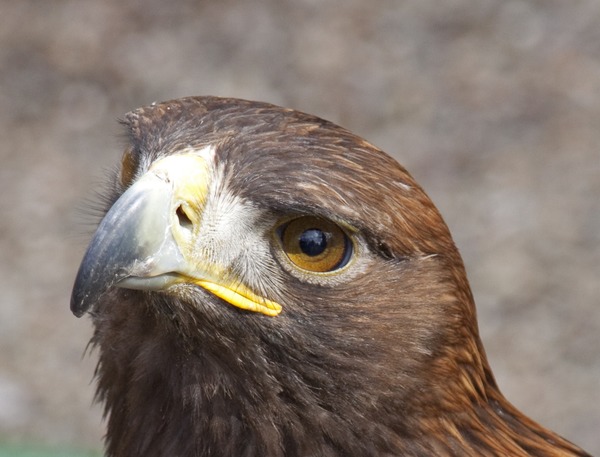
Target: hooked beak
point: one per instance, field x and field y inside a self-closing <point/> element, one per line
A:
<point x="146" y="241"/>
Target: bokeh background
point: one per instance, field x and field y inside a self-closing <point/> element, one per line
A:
<point x="493" y="105"/>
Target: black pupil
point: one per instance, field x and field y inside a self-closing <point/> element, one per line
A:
<point x="313" y="242"/>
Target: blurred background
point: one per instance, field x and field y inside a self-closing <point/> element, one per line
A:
<point x="493" y="106"/>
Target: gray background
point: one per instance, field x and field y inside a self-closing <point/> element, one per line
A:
<point x="494" y="107"/>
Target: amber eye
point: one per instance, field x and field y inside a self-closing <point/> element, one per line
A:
<point x="315" y="244"/>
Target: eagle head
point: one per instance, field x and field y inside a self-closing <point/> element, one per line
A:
<point x="266" y="283"/>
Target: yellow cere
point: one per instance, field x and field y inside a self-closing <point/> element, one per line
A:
<point x="190" y="176"/>
<point x="242" y="298"/>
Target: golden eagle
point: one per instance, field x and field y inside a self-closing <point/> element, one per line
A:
<point x="266" y="283"/>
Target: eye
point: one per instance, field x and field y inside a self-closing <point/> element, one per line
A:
<point x="315" y="244"/>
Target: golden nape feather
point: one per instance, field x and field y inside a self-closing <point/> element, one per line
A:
<point x="266" y="283"/>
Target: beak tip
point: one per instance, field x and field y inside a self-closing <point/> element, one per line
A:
<point x="78" y="302"/>
<point x="77" y="312"/>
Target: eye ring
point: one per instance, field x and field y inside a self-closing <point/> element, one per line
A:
<point x="315" y="244"/>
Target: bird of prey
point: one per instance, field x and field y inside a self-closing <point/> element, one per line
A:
<point x="266" y="283"/>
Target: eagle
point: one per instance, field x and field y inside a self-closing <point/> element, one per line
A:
<point x="266" y="283"/>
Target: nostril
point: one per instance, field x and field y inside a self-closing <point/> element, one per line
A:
<point x="184" y="220"/>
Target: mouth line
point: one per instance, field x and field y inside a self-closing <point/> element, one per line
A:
<point x="156" y="282"/>
<point x="240" y="297"/>
<point x="237" y="295"/>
